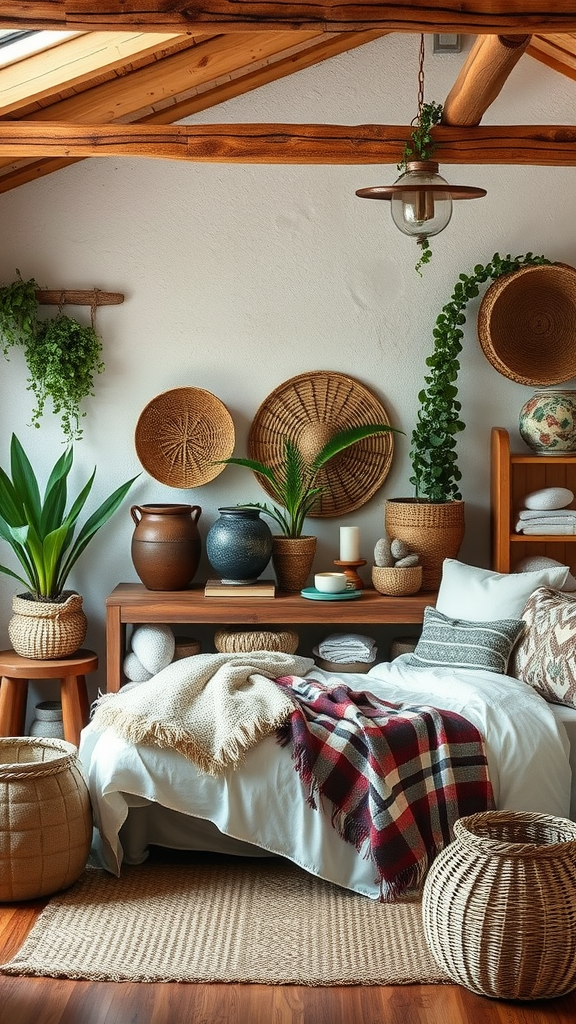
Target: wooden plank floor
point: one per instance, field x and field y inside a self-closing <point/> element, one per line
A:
<point x="58" y="1001"/>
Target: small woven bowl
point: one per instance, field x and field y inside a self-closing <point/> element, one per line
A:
<point x="396" y="582"/>
<point x="228" y="641"/>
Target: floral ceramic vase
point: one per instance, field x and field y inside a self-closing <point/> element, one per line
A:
<point x="548" y="422"/>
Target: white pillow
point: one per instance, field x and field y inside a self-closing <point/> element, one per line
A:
<point x="482" y="595"/>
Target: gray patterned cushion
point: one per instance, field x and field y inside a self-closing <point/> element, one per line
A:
<point x="545" y="656"/>
<point x="461" y="644"/>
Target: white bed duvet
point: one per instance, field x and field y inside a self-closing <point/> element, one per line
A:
<point x="263" y="802"/>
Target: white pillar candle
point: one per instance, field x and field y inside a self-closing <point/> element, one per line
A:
<point x="349" y="543"/>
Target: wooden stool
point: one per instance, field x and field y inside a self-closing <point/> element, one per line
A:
<point x="16" y="671"/>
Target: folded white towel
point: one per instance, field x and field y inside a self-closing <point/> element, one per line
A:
<point x="552" y="530"/>
<point x="543" y="513"/>
<point x="525" y="524"/>
<point x="342" y="648"/>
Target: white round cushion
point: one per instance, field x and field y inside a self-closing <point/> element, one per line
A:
<point x="534" y="562"/>
<point x="134" y="669"/>
<point x="549" y="498"/>
<point x="154" y="646"/>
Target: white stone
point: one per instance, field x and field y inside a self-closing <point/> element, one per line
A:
<point x="532" y="563"/>
<point x="382" y="556"/>
<point x="549" y="498"/>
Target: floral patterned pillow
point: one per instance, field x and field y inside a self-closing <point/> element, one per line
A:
<point x="545" y="657"/>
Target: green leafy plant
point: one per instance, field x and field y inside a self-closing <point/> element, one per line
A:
<point x="39" y="529"/>
<point x="294" y="483"/>
<point x="421" y="146"/>
<point x="435" y="472"/>
<point x="62" y="355"/>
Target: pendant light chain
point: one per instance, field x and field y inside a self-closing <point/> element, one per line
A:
<point x="420" y="81"/>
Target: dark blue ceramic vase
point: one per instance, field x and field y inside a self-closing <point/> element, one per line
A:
<point x="239" y="545"/>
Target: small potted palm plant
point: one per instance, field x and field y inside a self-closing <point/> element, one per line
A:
<point x="296" y="489"/>
<point x="48" y="621"/>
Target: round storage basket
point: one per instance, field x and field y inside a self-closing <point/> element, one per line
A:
<point x="232" y="641"/>
<point x="499" y="905"/>
<point x="395" y="582"/>
<point x="45" y="817"/>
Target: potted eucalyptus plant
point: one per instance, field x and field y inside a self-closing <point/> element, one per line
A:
<point x="433" y="521"/>
<point x="48" y="620"/>
<point x="62" y="355"/>
<point x="296" y="490"/>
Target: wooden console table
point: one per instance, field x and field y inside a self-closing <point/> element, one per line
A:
<point x="133" y="603"/>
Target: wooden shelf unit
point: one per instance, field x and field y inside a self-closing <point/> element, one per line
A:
<point x="133" y="603"/>
<point x="513" y="476"/>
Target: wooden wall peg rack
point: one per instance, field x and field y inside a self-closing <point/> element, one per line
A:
<point x="78" y="297"/>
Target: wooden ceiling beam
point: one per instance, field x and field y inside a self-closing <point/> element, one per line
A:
<point x="475" y="17"/>
<point x="542" y="145"/>
<point x="484" y="72"/>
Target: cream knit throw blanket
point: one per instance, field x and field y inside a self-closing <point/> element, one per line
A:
<point x="211" y="707"/>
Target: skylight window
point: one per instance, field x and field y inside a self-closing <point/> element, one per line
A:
<point x="16" y="45"/>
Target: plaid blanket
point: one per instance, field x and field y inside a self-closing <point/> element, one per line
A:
<point x="397" y="776"/>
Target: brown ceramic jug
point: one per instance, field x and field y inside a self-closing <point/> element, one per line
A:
<point x="166" y="545"/>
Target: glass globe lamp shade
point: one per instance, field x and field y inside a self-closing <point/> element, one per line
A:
<point x="418" y="207"/>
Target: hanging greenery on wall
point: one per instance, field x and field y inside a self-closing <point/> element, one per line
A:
<point x="62" y="355"/>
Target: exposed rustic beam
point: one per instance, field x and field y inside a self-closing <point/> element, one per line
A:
<point x="558" y="51"/>
<point x="481" y="77"/>
<point x="545" y="145"/>
<point x="475" y="18"/>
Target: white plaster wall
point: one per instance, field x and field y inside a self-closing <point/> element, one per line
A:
<point x="239" y="277"/>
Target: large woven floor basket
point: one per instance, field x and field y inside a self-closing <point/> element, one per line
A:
<point x="499" y="905"/>
<point x="45" y="817"/>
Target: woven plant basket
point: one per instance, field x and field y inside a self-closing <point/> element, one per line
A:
<point x="45" y="817"/>
<point x="46" y="629"/>
<point x="233" y="641"/>
<point x="397" y="582"/>
<point x="292" y="558"/>
<point x="526" y="324"/>
<point x="499" y="905"/>
<point x="434" y="531"/>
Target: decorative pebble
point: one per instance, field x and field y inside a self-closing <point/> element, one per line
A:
<point x="407" y="562"/>
<point x="382" y="554"/>
<point x="399" y="549"/>
<point x="549" y="498"/>
<point x="532" y="563"/>
<point x="154" y="646"/>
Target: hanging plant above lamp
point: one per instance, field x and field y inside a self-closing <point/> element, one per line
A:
<point x="421" y="199"/>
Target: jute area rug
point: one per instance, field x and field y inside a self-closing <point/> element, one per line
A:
<point x="256" y="921"/>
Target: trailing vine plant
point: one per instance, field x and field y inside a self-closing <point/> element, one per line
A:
<point x="421" y="146"/>
<point x="62" y="355"/>
<point x="435" y="472"/>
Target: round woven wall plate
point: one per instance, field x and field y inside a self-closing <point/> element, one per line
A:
<point x="181" y="433"/>
<point x="527" y="324"/>
<point x="309" y="410"/>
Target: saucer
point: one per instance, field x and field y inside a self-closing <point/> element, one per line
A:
<point x="318" y="595"/>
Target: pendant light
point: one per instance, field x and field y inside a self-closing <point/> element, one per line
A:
<point x="421" y="199"/>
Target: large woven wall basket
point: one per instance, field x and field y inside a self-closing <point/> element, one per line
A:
<point x="45" y="817"/>
<point x="499" y="905"/>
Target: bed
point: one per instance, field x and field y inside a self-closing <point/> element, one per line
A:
<point x="143" y="796"/>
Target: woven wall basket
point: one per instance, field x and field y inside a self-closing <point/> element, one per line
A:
<point x="499" y="905"/>
<point x="234" y="641"/>
<point x="434" y="531"/>
<point x="526" y="324"/>
<point x="45" y="817"/>
<point x="45" y="629"/>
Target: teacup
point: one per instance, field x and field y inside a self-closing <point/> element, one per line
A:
<point x="330" y="582"/>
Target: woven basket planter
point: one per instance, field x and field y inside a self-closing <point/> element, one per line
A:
<point x="233" y="641"/>
<point x="434" y="531"/>
<point x="292" y="558"/>
<point x="45" y="817"/>
<point x="397" y="582"/>
<point x="499" y="905"/>
<point x="45" y="629"/>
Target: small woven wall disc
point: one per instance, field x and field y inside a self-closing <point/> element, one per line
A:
<point x="309" y="410"/>
<point x="181" y="433"/>
<point x="527" y="324"/>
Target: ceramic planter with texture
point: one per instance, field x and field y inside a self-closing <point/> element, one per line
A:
<point x="239" y="545"/>
<point x="434" y="530"/>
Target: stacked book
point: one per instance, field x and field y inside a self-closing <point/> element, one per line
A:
<point x="537" y="522"/>
<point x="258" y="588"/>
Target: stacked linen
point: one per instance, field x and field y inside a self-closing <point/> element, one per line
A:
<point x="547" y="512"/>
<point x="346" y="651"/>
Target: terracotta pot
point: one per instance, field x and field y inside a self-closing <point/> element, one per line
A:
<point x="434" y="530"/>
<point x="47" y="629"/>
<point x="292" y="558"/>
<point x="166" y="545"/>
